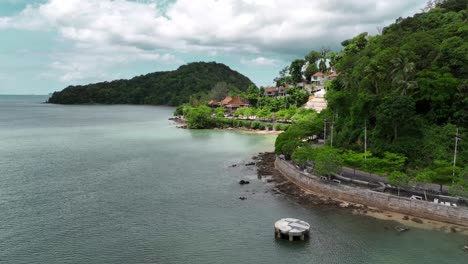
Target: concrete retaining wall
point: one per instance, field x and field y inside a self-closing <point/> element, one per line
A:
<point x="384" y="201"/>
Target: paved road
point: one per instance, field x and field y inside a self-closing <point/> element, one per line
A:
<point x="369" y="177"/>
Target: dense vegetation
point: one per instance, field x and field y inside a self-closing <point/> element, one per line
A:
<point x="193" y="81"/>
<point x="204" y="117"/>
<point x="407" y="88"/>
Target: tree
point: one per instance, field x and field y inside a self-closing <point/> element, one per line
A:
<point x="313" y="56"/>
<point x="395" y="113"/>
<point x="296" y="96"/>
<point x="310" y="70"/>
<point x="283" y="78"/>
<point x="199" y="118"/>
<point x="323" y="66"/>
<point x="327" y="161"/>
<point x="295" y="69"/>
<point x="399" y="179"/>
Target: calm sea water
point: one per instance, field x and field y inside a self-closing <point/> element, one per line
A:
<point x="120" y="184"/>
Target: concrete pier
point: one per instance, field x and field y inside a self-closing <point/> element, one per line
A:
<point x="291" y="228"/>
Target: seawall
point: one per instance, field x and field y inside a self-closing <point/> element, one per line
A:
<point x="383" y="201"/>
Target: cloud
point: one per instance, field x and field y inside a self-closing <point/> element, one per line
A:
<point x="253" y="26"/>
<point x="94" y="64"/>
<point x="93" y="37"/>
<point x="260" y="61"/>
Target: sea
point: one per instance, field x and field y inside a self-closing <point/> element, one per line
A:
<point x="122" y="184"/>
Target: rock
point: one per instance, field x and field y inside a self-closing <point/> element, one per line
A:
<point x="234" y="165"/>
<point x="417" y="220"/>
<point x="453" y="229"/>
<point x="401" y="228"/>
<point x="243" y="198"/>
<point x="242" y="182"/>
<point x="250" y="164"/>
<point x="254" y="157"/>
<point x="405" y="217"/>
<point x="344" y="205"/>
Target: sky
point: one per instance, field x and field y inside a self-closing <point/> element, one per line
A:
<point x="46" y="45"/>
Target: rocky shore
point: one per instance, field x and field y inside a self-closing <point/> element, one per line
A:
<point x="266" y="169"/>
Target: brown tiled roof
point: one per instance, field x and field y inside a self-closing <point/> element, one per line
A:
<point x="212" y="102"/>
<point x="226" y="100"/>
<point x="281" y="88"/>
<point x="319" y="74"/>
<point x="271" y="89"/>
<point x="334" y="74"/>
<point x="236" y="101"/>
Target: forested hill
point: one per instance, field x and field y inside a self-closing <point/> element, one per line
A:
<point x="408" y="85"/>
<point x="159" y="88"/>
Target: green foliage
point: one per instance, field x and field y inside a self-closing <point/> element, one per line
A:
<point x="200" y="118"/>
<point x="326" y="160"/>
<point x="220" y="111"/>
<point x="294" y="135"/>
<point x="408" y="86"/>
<point x="398" y="178"/>
<point x="295" y="69"/>
<point x="189" y="83"/>
<point x="182" y="109"/>
<point x="296" y="96"/>
<point x="390" y="162"/>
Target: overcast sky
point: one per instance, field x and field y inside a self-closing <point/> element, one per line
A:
<point x="46" y="45"/>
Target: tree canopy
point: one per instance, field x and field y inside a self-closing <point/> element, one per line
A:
<point x="191" y="82"/>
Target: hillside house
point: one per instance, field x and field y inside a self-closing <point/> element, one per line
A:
<point x="271" y="92"/>
<point x="318" y="79"/>
<point x="276" y="91"/>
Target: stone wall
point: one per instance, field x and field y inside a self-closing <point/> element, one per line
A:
<point x="384" y="201"/>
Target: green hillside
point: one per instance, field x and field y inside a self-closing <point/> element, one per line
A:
<point x="194" y="80"/>
<point x="409" y="85"/>
<point x="404" y="93"/>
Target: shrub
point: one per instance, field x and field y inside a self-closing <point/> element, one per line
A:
<point x="256" y="125"/>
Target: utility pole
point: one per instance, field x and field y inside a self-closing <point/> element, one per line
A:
<point x="455" y="153"/>
<point x="365" y="139"/>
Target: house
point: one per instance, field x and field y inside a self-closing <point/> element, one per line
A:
<point x="230" y="103"/>
<point x="271" y="92"/>
<point x="213" y="103"/>
<point x="276" y="91"/>
<point x="282" y="91"/>
<point x="318" y="78"/>
<point x="233" y="104"/>
<point x="333" y="76"/>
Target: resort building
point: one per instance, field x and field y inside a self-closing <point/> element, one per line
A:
<point x="230" y="103"/>
<point x="276" y="91"/>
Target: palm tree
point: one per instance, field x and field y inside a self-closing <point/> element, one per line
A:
<point x="404" y="76"/>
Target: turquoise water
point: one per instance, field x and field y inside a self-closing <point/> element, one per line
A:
<point x="120" y="184"/>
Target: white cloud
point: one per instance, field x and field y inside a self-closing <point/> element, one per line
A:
<point x="212" y="25"/>
<point x="103" y="33"/>
<point x="93" y="64"/>
<point x="260" y="61"/>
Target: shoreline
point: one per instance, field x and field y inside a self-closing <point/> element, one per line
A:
<point x="183" y="125"/>
<point x="266" y="169"/>
<point x="251" y="131"/>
